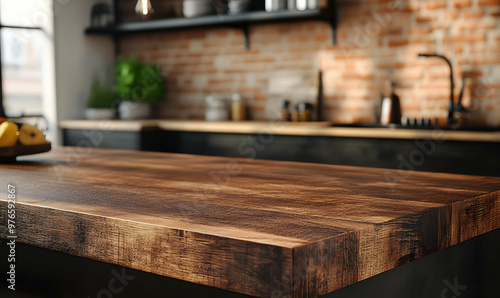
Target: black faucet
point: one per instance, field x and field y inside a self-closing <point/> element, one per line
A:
<point x="454" y="107"/>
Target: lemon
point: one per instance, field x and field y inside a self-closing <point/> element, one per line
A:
<point x="30" y="135"/>
<point x="9" y="133"/>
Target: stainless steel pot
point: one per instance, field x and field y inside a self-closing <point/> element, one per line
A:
<point x="275" y="5"/>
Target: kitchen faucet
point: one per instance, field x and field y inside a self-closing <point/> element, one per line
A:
<point x="453" y="107"/>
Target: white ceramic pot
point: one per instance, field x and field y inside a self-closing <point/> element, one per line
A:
<point x="100" y="114"/>
<point x="129" y="110"/>
<point x="216" y="108"/>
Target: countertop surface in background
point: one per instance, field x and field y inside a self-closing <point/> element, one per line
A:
<point x="284" y="128"/>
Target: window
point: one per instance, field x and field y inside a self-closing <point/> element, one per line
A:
<point x="21" y="90"/>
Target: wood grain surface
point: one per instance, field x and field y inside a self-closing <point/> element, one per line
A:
<point x="284" y="128"/>
<point x="262" y="228"/>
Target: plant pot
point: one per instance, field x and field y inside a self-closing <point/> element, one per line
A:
<point x="129" y="110"/>
<point x="100" y="114"/>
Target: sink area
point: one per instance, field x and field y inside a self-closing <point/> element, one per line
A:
<point x="398" y="126"/>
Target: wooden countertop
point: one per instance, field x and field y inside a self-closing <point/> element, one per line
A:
<point x="109" y="125"/>
<point x="283" y="128"/>
<point x="256" y="227"/>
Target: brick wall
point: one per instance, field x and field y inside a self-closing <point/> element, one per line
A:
<point x="376" y="40"/>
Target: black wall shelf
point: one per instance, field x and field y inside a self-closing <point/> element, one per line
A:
<point x="241" y="21"/>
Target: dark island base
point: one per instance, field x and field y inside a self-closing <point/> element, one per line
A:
<point x="458" y="157"/>
<point x="469" y="268"/>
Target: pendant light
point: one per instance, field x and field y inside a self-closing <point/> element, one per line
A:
<point x="143" y="7"/>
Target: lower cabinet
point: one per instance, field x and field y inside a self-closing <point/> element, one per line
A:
<point x="145" y="140"/>
<point x="472" y="158"/>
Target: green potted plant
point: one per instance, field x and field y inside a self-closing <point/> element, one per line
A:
<point x="101" y="102"/>
<point x="139" y="86"/>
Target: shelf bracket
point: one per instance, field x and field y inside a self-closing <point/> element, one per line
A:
<point x="246" y="33"/>
<point x="333" y="25"/>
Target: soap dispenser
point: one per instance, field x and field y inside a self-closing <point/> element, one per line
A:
<point x="391" y="107"/>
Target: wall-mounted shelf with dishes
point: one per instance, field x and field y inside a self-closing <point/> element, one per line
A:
<point x="242" y="21"/>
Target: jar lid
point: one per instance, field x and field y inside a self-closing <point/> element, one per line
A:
<point x="285" y="104"/>
<point x="214" y="100"/>
<point x="236" y="97"/>
<point x="303" y="106"/>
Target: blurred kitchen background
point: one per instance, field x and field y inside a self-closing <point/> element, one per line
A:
<point x="374" y="39"/>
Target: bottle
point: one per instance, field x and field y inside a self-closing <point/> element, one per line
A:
<point x="391" y="107"/>
<point x="238" y="109"/>
<point x="395" y="107"/>
<point x="285" y="111"/>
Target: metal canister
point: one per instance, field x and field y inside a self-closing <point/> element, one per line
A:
<point x="275" y="5"/>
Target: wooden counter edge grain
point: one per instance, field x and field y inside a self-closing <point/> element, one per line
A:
<point x="362" y="254"/>
<point x="313" y="129"/>
<point x="243" y="266"/>
<point x="221" y="262"/>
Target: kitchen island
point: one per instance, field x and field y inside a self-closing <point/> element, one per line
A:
<point x="256" y="227"/>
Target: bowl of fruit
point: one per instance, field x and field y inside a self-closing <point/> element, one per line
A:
<point x="21" y="139"/>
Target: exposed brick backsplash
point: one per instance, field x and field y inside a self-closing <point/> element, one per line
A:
<point x="374" y="39"/>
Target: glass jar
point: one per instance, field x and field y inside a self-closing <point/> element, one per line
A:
<point x="304" y="111"/>
<point x="238" y="109"/>
<point x="216" y="108"/>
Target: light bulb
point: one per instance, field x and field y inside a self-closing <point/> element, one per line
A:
<point x="144" y="7"/>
